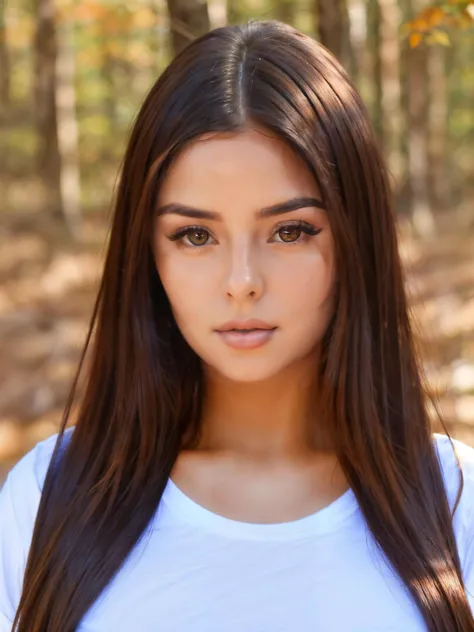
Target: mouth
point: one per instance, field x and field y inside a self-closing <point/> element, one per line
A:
<point x="246" y="331"/>
<point x="249" y="337"/>
<point x="246" y="326"/>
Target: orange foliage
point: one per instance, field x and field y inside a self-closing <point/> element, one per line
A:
<point x="431" y="23"/>
<point x="110" y="19"/>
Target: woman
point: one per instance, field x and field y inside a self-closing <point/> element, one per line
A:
<point x="252" y="450"/>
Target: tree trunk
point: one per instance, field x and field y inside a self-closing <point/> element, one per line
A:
<point x="188" y="19"/>
<point x="107" y="72"/>
<point x="4" y="61"/>
<point x="68" y="130"/>
<point x="423" y="219"/>
<point x="160" y="40"/>
<point x="285" y="11"/>
<point x="455" y="178"/>
<point x="357" y="15"/>
<point x="415" y="120"/>
<point x="333" y="28"/>
<point x="48" y="160"/>
<point x="374" y="48"/>
<point x="232" y="11"/>
<point x="438" y="124"/>
<point x="217" y="13"/>
<point x="390" y="83"/>
<point x="404" y="200"/>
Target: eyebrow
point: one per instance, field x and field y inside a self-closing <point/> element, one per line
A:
<point x="269" y="211"/>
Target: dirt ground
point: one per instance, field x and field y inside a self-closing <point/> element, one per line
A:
<point x="48" y="284"/>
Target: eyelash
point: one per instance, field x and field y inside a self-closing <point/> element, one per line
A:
<point x="307" y="229"/>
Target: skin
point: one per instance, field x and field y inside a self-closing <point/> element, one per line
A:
<point x="262" y="457"/>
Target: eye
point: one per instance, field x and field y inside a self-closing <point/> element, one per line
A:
<point x="191" y="236"/>
<point x="197" y="236"/>
<point x="290" y="233"/>
<point x="295" y="232"/>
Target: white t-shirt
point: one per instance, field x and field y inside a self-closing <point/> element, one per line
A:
<point x="196" y="571"/>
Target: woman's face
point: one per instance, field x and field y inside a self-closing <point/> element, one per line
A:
<point x="226" y="250"/>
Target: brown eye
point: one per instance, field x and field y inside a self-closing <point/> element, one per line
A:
<point x="197" y="236"/>
<point x="289" y="233"/>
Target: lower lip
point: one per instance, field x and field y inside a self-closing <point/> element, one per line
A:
<point x="250" y="340"/>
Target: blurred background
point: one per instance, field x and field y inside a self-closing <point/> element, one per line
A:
<point x="72" y="77"/>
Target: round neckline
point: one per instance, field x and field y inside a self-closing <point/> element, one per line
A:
<point x="325" y="520"/>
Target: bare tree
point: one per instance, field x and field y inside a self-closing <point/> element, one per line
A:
<point x="414" y="122"/>
<point x="232" y="11"/>
<point x="217" y="13"/>
<point x="390" y="19"/>
<point x="333" y="28"/>
<point x="48" y="159"/>
<point x="285" y="11"/>
<point x="107" y="71"/>
<point x="357" y="16"/>
<point x="383" y="24"/>
<point x="55" y="108"/>
<point x="160" y="43"/>
<point x="4" y="61"/>
<point x="67" y="129"/>
<point x="404" y="198"/>
<point x="439" y="180"/>
<point x="188" y="19"/>
<point x="418" y="140"/>
<point x="375" y="64"/>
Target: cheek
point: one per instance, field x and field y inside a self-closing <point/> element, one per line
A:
<point x="186" y="286"/>
<point x="306" y="294"/>
<point x="303" y="281"/>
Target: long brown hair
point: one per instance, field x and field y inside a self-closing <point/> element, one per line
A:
<point x="143" y="389"/>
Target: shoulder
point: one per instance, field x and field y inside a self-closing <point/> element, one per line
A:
<point x="25" y="480"/>
<point x="19" y="500"/>
<point x="455" y="457"/>
<point x="31" y="469"/>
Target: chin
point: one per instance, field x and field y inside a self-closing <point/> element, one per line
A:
<point x="249" y="369"/>
<point x="247" y="377"/>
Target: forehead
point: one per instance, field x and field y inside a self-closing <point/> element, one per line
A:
<point x="251" y="168"/>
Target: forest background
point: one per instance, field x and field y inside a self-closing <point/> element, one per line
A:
<point x="72" y="77"/>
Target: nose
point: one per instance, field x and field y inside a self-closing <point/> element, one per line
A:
<point x="244" y="279"/>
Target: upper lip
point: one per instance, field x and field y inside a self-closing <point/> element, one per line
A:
<point x="245" y="324"/>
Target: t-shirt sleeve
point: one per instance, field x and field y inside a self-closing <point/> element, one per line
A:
<point x="463" y="521"/>
<point x="19" y="500"/>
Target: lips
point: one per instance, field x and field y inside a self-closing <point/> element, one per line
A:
<point x="245" y="326"/>
<point x="249" y="334"/>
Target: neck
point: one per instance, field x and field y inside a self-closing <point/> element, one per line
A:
<point x="275" y="417"/>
